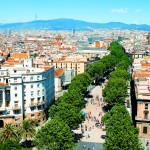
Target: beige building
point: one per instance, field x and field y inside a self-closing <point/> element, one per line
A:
<point x="79" y="65"/>
<point x="141" y="77"/>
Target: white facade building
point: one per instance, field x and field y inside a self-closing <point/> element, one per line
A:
<point x="25" y="93"/>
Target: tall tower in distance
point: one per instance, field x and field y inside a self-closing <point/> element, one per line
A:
<point x="73" y="31"/>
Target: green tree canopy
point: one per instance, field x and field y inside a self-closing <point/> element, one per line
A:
<point x="68" y="113"/>
<point x="120" y="73"/>
<point x="121" y="134"/>
<point x="27" y="130"/>
<point x="54" y="135"/>
<point x="9" y="132"/>
<point x="96" y="69"/>
<point x="10" y="145"/>
<point x="115" y="91"/>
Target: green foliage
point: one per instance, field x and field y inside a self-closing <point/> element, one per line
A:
<point x="115" y="91"/>
<point x="80" y="82"/>
<point x="96" y="69"/>
<point x="121" y="134"/>
<point x="67" y="112"/>
<point x="10" y="145"/>
<point x="9" y="132"/>
<point x="54" y="135"/>
<point x="120" y="73"/>
<point x="110" y="61"/>
<point x="27" y="130"/>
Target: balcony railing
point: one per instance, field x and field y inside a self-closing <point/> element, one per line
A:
<point x="41" y="103"/>
<point x="16" y="107"/>
<point x="32" y="104"/>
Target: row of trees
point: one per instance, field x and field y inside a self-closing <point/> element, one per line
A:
<point x="120" y="132"/>
<point x="66" y="112"/>
<point x="66" y="115"/>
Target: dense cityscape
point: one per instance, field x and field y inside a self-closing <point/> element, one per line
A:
<point x="68" y="84"/>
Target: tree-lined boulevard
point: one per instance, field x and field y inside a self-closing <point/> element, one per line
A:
<point x="67" y="112"/>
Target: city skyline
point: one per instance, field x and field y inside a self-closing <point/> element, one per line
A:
<point x="90" y="10"/>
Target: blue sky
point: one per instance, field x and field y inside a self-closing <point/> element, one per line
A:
<point x="101" y="11"/>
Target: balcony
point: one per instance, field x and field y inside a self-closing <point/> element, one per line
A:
<point x="32" y="104"/>
<point x="41" y="103"/>
<point x="16" y="107"/>
<point x="139" y="119"/>
<point x="2" y="108"/>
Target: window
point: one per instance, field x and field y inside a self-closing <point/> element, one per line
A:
<point x="146" y="115"/>
<point x="145" y="130"/>
<point x="38" y="77"/>
<point x="38" y="92"/>
<point x="146" y="106"/>
<point x="43" y="91"/>
<point x="32" y="115"/>
<point x="32" y="93"/>
<point x="16" y="95"/>
<point x="38" y="85"/>
<point x="39" y="114"/>
<point x="32" y="108"/>
<point x="7" y="103"/>
<point x="31" y="86"/>
<point x="24" y="101"/>
<point x="15" y="88"/>
<point x="24" y="78"/>
<point x="15" y="79"/>
<point x="31" y="78"/>
<point x="16" y="112"/>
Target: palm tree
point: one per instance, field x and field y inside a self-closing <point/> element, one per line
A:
<point x="27" y="130"/>
<point x="9" y="132"/>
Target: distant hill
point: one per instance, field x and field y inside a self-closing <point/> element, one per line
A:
<point x="69" y="24"/>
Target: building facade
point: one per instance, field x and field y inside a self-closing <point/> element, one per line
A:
<point x="25" y="93"/>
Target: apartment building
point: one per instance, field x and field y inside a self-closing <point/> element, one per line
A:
<point x="25" y="93"/>
<point x="78" y="65"/>
<point x="141" y="75"/>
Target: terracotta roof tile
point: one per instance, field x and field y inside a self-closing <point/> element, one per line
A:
<point x="58" y="72"/>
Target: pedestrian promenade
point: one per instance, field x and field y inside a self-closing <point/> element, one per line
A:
<point x="92" y="128"/>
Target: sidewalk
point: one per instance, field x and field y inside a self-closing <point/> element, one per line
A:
<point x="94" y="112"/>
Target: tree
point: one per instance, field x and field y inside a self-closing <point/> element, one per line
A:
<point x="68" y="113"/>
<point x="10" y="145"/>
<point x="96" y="69"/>
<point x="27" y="130"/>
<point x="80" y="82"/>
<point x="115" y="91"/>
<point x="120" y="132"/>
<point x="9" y="132"/>
<point x="120" y="73"/>
<point x="54" y="135"/>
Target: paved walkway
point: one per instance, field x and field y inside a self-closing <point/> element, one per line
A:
<point x="94" y="112"/>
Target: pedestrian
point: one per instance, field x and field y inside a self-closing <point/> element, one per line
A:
<point x="147" y="143"/>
